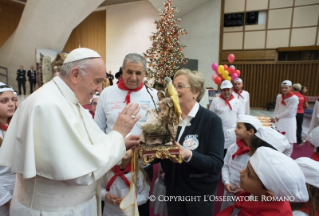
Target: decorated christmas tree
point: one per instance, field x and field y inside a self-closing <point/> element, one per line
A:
<point x="165" y="55"/>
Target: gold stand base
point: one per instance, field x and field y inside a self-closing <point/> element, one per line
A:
<point x="148" y="153"/>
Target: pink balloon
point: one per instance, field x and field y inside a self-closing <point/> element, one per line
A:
<point x="214" y="76"/>
<point x="234" y="76"/>
<point x="231" y="58"/>
<point x="215" y="66"/>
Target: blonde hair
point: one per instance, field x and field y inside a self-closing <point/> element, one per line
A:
<point x="196" y="81"/>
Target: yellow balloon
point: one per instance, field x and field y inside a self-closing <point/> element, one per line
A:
<point x="220" y="69"/>
<point x="228" y="78"/>
<point x="226" y="73"/>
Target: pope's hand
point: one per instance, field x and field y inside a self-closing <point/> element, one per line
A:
<point x="127" y="119"/>
<point x="131" y="140"/>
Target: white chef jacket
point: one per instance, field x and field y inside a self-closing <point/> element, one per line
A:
<point x="244" y="101"/>
<point x="7" y="180"/>
<point x="53" y="139"/>
<point x="287" y="117"/>
<point x="315" y="117"/>
<point x="120" y="189"/>
<point x="228" y="117"/>
<point x="111" y="102"/>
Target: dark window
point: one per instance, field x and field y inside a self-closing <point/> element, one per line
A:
<point x="231" y="20"/>
<point x="252" y="18"/>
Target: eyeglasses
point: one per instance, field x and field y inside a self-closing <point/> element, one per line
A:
<point x="181" y="87"/>
<point x="94" y="103"/>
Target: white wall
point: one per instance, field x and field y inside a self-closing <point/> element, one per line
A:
<point x="128" y="28"/>
<point x="202" y="40"/>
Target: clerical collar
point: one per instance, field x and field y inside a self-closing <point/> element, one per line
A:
<point x="65" y="90"/>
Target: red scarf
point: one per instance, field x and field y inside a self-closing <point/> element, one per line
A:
<point x="239" y="93"/>
<point x="3" y="127"/>
<point x="242" y="148"/>
<point x="315" y="156"/>
<point x="227" y="101"/>
<point x="117" y="172"/>
<point x="290" y="94"/>
<point x="307" y="208"/>
<point x="260" y="208"/>
<point x="122" y="86"/>
<point x="92" y="113"/>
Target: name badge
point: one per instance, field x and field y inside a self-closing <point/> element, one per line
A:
<point x="191" y="142"/>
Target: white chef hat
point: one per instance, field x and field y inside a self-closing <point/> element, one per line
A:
<point x="310" y="169"/>
<point x="238" y="80"/>
<point x="273" y="138"/>
<point x="279" y="174"/>
<point x="251" y="120"/>
<point x="79" y="54"/>
<point x="94" y="96"/>
<point x="286" y="82"/>
<point x="4" y="87"/>
<point x="313" y="137"/>
<point x="226" y="84"/>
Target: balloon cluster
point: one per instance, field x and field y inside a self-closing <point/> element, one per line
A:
<point x="225" y="72"/>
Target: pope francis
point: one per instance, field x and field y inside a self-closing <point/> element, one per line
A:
<point x="55" y="147"/>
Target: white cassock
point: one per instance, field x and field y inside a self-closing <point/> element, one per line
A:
<point x="315" y="117"/>
<point x="228" y="117"/>
<point x="287" y="117"/>
<point x="7" y="180"/>
<point x="58" y="153"/>
<point x="244" y="101"/>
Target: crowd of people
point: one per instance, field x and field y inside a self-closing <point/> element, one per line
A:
<point x="58" y="159"/>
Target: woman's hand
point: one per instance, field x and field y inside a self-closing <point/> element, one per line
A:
<point x="238" y="191"/>
<point x="186" y="153"/>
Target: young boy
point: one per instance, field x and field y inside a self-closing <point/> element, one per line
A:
<point x="237" y="156"/>
<point x="269" y="175"/>
<point x="313" y="138"/>
<point x="270" y="138"/>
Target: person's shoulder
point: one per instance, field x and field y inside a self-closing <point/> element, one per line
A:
<point x="246" y="92"/>
<point x="232" y="148"/>
<point x="207" y="114"/>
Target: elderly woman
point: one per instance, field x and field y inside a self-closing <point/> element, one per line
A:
<point x="201" y="139"/>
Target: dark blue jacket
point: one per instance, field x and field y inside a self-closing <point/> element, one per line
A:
<point x="201" y="174"/>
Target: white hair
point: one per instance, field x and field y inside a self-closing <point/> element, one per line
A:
<point x="81" y="64"/>
<point x="134" y="58"/>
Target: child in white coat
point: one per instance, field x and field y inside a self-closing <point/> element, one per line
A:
<point x="237" y="156"/>
<point x="115" y="186"/>
<point x="7" y="178"/>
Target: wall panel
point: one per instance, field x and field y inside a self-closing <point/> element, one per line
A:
<point x="91" y="33"/>
<point x="233" y="40"/>
<point x="305" y="2"/>
<point x="234" y="6"/>
<point x="279" y="18"/>
<point x="306" y="16"/>
<point x="10" y="14"/>
<point x="255" y="40"/>
<point x="280" y="3"/>
<point x="253" y="5"/>
<point x="278" y="38"/>
<point x="303" y="36"/>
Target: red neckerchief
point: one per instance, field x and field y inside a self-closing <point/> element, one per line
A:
<point x="92" y="113"/>
<point x="260" y="208"/>
<point x="242" y="148"/>
<point x="290" y="94"/>
<point x="307" y="208"/>
<point x="5" y="127"/>
<point x="227" y="101"/>
<point x="283" y="133"/>
<point x="239" y="93"/>
<point x="122" y="86"/>
<point x="117" y="172"/>
<point x="315" y="156"/>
